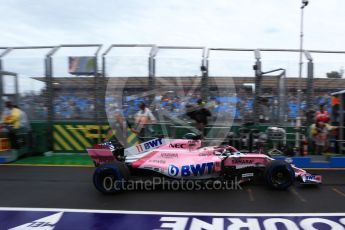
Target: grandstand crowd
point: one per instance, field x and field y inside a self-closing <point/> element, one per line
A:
<point x="75" y="106"/>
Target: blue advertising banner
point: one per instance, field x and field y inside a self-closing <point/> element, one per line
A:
<point x="48" y="219"/>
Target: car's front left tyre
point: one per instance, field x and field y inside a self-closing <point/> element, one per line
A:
<point x="279" y="175"/>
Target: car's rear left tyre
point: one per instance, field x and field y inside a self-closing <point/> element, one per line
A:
<point x="111" y="178"/>
<point x="279" y="175"/>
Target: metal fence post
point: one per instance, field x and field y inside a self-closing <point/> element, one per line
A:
<point x="204" y="75"/>
<point x="49" y="72"/>
<point x="152" y="71"/>
<point x="7" y="51"/>
<point x="310" y="85"/>
<point x="258" y="79"/>
<point x="98" y="94"/>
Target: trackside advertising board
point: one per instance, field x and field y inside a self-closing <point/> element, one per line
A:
<point x="81" y="65"/>
<point x="48" y="219"/>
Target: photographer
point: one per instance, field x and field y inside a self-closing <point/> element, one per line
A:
<point x="200" y="115"/>
<point x="143" y="119"/>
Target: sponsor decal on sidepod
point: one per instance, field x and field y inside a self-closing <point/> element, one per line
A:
<point x="191" y="170"/>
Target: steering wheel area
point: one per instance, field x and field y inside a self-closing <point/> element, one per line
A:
<point x="227" y="151"/>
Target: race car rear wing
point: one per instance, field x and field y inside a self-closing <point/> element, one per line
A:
<point x="106" y="152"/>
<point x="101" y="156"/>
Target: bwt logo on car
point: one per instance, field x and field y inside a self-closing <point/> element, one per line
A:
<point x="148" y="145"/>
<point x="188" y="170"/>
<point x="310" y="177"/>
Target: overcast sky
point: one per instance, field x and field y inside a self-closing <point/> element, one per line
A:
<point x="211" y="23"/>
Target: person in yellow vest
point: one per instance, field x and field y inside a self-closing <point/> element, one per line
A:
<point x="11" y="118"/>
<point x="320" y="134"/>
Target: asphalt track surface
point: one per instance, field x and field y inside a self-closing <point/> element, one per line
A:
<point x="71" y="187"/>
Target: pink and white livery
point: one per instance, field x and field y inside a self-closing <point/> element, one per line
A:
<point x="188" y="159"/>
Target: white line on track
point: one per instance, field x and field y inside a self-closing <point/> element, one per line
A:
<point x="339" y="192"/>
<point x="165" y="213"/>
<point x="251" y="196"/>
<point x="298" y="195"/>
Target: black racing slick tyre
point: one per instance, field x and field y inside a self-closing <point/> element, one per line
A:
<point x="111" y="178"/>
<point x="279" y="175"/>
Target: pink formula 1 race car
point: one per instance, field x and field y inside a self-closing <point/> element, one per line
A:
<point x="186" y="159"/>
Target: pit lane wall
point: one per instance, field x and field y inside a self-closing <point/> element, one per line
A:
<point x="76" y="136"/>
<point x="71" y="136"/>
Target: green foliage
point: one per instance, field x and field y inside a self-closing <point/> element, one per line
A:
<point x="334" y="74"/>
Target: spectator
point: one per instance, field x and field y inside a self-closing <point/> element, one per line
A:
<point x="143" y="119"/>
<point x="118" y="124"/>
<point x="11" y="118"/>
<point x="320" y="132"/>
<point x="322" y="115"/>
<point x="23" y="119"/>
<point x="200" y="114"/>
<point x="25" y="124"/>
